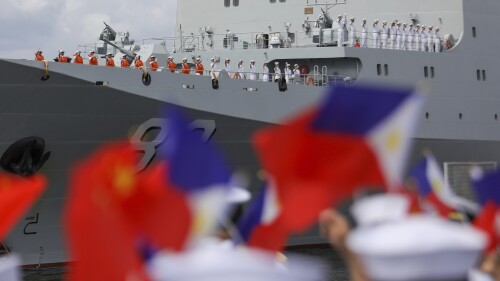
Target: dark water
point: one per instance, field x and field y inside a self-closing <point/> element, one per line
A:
<point x="335" y="267"/>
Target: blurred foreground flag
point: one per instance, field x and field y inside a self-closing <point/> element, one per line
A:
<point x="254" y="227"/>
<point x="197" y="170"/>
<point x="359" y="137"/>
<point x="112" y="211"/>
<point x="17" y="194"/>
<point x="487" y="188"/>
<point x="432" y="187"/>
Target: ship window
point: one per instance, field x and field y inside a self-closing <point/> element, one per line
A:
<point x="386" y="69"/>
<point x="426" y="72"/>
<point x="432" y="71"/>
<point x="227" y="3"/>
<point x="236" y="3"/>
<point x="379" y="69"/>
<point x="282" y="0"/>
<point x="478" y="73"/>
<point x="484" y="75"/>
<point x="474" y="32"/>
<point x="272" y="1"/>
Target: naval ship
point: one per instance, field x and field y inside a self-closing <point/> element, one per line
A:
<point x="70" y="109"/>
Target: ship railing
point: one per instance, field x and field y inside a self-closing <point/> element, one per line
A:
<point x="314" y="38"/>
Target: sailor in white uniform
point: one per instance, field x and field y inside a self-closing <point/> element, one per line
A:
<point x="277" y="71"/>
<point x="411" y="38"/>
<point x="288" y="73"/>
<point x="394" y="31"/>
<point x="364" y="34"/>
<point x="265" y="73"/>
<point x="404" y="36"/>
<point x="253" y="76"/>
<point x="399" y="37"/>
<point x="430" y="40"/>
<point x="296" y="74"/>
<point x="437" y="41"/>
<point x="352" y="33"/>
<point x="424" y="38"/>
<point x="227" y="66"/>
<point x="418" y="38"/>
<point x="241" y="70"/>
<point x="376" y="34"/>
<point x="340" y="30"/>
<point x="385" y="34"/>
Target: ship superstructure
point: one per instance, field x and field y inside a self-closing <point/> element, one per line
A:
<point x="80" y="107"/>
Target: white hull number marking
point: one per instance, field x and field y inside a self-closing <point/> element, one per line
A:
<point x="148" y="148"/>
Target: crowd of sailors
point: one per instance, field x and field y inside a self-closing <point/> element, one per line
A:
<point x="390" y="35"/>
<point x="240" y="72"/>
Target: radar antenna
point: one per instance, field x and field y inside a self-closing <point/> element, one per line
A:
<point x="325" y="19"/>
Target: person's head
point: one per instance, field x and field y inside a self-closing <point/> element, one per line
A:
<point x="153" y="58"/>
<point x="138" y="57"/>
<point x="184" y="60"/>
<point x="39" y="52"/>
<point x="169" y="58"/>
<point x="110" y="55"/>
<point x="61" y="52"/>
<point x="92" y="53"/>
<point x="352" y="19"/>
<point x="252" y="62"/>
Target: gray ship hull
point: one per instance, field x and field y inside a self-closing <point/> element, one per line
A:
<point x="74" y="116"/>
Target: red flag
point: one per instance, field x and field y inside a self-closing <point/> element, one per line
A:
<point x="111" y="210"/>
<point x="312" y="171"/>
<point x="486" y="221"/>
<point x="17" y="194"/>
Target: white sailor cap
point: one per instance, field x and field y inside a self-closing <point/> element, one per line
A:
<point x="78" y="52"/>
<point x="375" y="21"/>
<point x="296" y="65"/>
<point x="39" y="51"/>
<point x="339" y="16"/>
<point x="124" y="56"/>
<point x="384" y="22"/>
<point x="241" y="60"/>
<point x="276" y="63"/>
<point x="404" y="23"/>
<point x="287" y="64"/>
<point x="423" y="26"/>
<point x="153" y="57"/>
<point x="61" y="51"/>
<point x="437" y="28"/>
<point x="398" y="23"/>
<point x="184" y="59"/>
<point x="417" y="248"/>
<point x="431" y="27"/>
<point x="252" y="61"/>
<point x="138" y="56"/>
<point x="380" y="208"/>
<point x="353" y="18"/>
<point x="364" y="19"/>
<point x="237" y="195"/>
<point x="92" y="51"/>
<point x="212" y="58"/>
<point x="109" y="54"/>
<point x="227" y="59"/>
<point x="198" y="59"/>
<point x="213" y="260"/>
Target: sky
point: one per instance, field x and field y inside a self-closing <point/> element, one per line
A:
<point x="51" y="25"/>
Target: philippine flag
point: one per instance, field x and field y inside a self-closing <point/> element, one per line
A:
<point x="432" y="187"/>
<point x="359" y="137"/>
<point x="262" y="213"/>
<point x="198" y="170"/>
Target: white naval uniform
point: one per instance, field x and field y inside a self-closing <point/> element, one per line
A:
<point x="437" y="42"/>
<point x="340" y="32"/>
<point x="277" y="73"/>
<point x="430" y="41"/>
<point x="376" y="36"/>
<point x="385" y="36"/>
<point x="227" y="67"/>
<point x="418" y="39"/>
<point x="352" y="34"/>
<point x="296" y="75"/>
<point x="399" y="38"/>
<point x="364" y="35"/>
<point x="394" y="32"/>
<point x="404" y="34"/>
<point x="288" y="73"/>
<point x="241" y="71"/>
<point x="265" y="75"/>
<point x="411" y="39"/>
<point x="424" y="39"/>
<point x="252" y="72"/>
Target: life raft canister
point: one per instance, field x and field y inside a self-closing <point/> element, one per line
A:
<point x="25" y="156"/>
